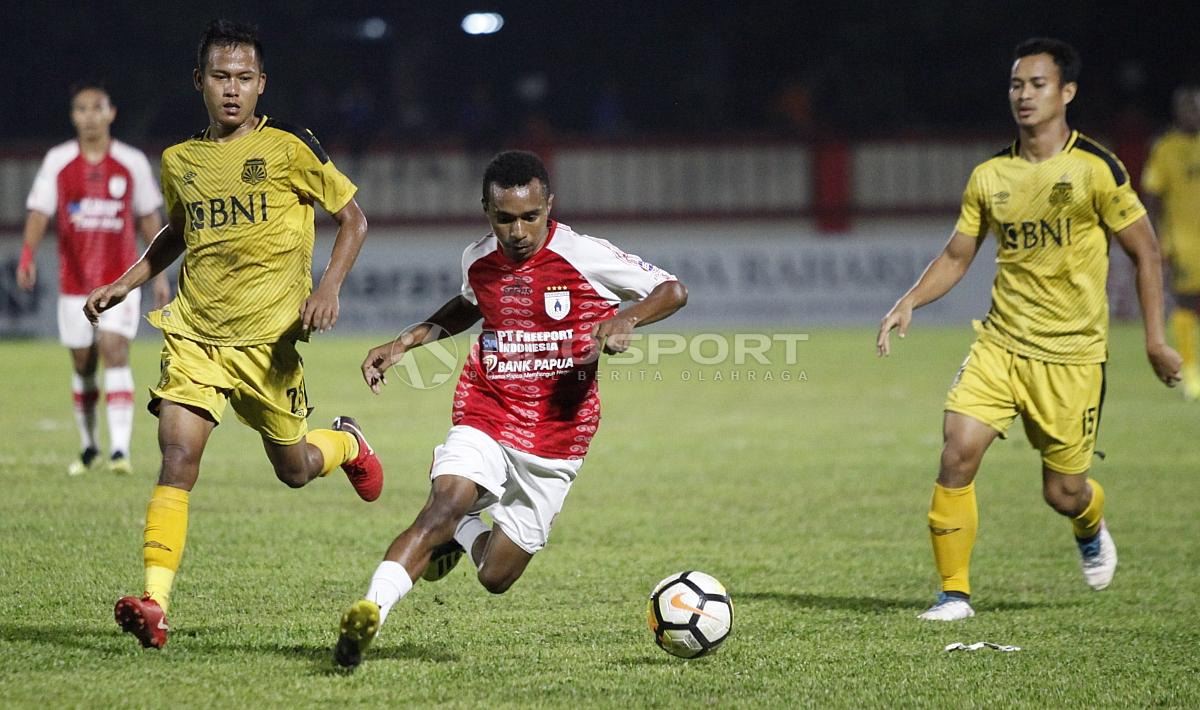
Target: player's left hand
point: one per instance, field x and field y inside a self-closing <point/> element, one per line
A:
<point x="615" y="334"/>
<point x="320" y="311"/>
<point x="1166" y="363"/>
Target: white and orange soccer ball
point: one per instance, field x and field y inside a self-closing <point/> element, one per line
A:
<point x="690" y="614"/>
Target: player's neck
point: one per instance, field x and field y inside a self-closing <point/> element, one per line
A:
<point x="1044" y="141"/>
<point x="223" y="134"/>
<point x="94" y="148"/>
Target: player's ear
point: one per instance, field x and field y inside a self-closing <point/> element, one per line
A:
<point x="262" y="83"/>
<point x="197" y="84"/>
<point x="1068" y="91"/>
<point x="549" y="202"/>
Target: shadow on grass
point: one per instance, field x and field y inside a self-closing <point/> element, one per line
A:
<point x="879" y="605"/>
<point x="209" y="640"/>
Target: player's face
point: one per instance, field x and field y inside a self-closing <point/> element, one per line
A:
<point x="1187" y="109"/>
<point x="231" y="81"/>
<point x="1036" y="92"/>
<point x="92" y="113"/>
<point x="520" y="217"/>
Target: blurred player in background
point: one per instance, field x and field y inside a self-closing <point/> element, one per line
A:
<point x="527" y="403"/>
<point x="102" y="192"/>
<point x="1171" y="181"/>
<point x="239" y="198"/>
<point x="1052" y="198"/>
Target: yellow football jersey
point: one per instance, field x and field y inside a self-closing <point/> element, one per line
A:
<point x="248" y="226"/>
<point x="1173" y="174"/>
<point x="1051" y="220"/>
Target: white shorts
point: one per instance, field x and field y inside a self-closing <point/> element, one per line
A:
<point x="75" y="331"/>
<point x="525" y="492"/>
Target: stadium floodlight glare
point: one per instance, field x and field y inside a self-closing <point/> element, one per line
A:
<point x="373" y="28"/>
<point x="482" y="23"/>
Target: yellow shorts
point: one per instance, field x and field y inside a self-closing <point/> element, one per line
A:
<point x="1059" y="404"/>
<point x="265" y="384"/>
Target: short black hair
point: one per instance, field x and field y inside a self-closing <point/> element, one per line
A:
<point x="88" y="85"/>
<point x="226" y="33"/>
<point x="1064" y="55"/>
<point x="515" y="167"/>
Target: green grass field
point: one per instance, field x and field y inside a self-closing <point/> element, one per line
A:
<point x="806" y="497"/>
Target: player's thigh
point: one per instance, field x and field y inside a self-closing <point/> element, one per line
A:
<point x="504" y="561"/>
<point x="982" y="388"/>
<point x="190" y="373"/>
<point x="183" y="432"/>
<point x="533" y="497"/>
<point x="269" y="393"/>
<point x="1061" y="413"/>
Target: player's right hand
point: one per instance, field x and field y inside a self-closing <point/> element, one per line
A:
<point x="102" y="299"/>
<point x="899" y="317"/>
<point x="27" y="276"/>
<point x="380" y="359"/>
<point x="1166" y="363"/>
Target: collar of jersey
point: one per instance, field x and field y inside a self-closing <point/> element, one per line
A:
<point x="262" y="123"/>
<point x="1072" y="137"/>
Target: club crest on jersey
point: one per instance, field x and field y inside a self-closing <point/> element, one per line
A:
<point x="1060" y="194"/>
<point x="254" y="171"/>
<point x="558" y="302"/>
<point x="117" y="184"/>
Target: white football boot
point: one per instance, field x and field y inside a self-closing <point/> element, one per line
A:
<point x="948" y="608"/>
<point x="1098" y="558"/>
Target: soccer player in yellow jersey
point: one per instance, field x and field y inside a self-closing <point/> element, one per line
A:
<point x="1052" y="198"/>
<point x="1171" y="182"/>
<point x="239" y="198"/>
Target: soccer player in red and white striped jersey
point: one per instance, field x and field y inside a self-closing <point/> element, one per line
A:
<point x="100" y="192"/>
<point x="527" y="403"/>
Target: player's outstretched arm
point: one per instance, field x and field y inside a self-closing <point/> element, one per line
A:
<point x="1139" y="243"/>
<point x="36" y="224"/>
<point x="666" y="298"/>
<point x="454" y="317"/>
<point x="320" y="311"/>
<point x="162" y="252"/>
<point x="150" y="225"/>
<point x="942" y="274"/>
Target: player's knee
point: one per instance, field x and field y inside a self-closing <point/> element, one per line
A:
<point x="438" y="520"/>
<point x="496" y="581"/>
<point x="959" y="464"/>
<point x="1063" y="500"/>
<point x="179" y="464"/>
<point x="292" y="476"/>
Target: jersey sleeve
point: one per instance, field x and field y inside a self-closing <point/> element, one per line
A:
<point x="146" y="197"/>
<point x="972" y="214"/>
<point x="314" y="176"/>
<point x="627" y="276"/>
<point x="43" y="196"/>
<point x="467" y="292"/>
<point x="169" y="196"/>
<point x="1117" y="205"/>
<point x="1154" y="173"/>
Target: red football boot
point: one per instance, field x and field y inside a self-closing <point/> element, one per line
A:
<point x="365" y="472"/>
<point x="143" y="618"/>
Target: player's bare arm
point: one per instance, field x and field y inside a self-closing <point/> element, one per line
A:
<point x="36" y="224"/>
<point x="454" y="317"/>
<point x="942" y="274"/>
<point x="149" y="225"/>
<point x="320" y="312"/>
<point x="166" y="247"/>
<point x="1140" y="244"/>
<point x="666" y="298"/>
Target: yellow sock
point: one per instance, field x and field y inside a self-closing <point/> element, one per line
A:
<point x="337" y="447"/>
<point x="1184" y="327"/>
<point x="953" y="520"/>
<point x="165" y="535"/>
<point x="1087" y="523"/>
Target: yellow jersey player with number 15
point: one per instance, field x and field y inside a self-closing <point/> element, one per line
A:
<point x="1051" y="198"/>
<point x="239" y="198"/>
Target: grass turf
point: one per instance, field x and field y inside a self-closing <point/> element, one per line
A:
<point x="804" y="493"/>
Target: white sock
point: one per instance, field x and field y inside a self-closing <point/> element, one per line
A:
<point x="389" y="585"/>
<point x="118" y="395"/>
<point x="468" y="531"/>
<point x="84" y="390"/>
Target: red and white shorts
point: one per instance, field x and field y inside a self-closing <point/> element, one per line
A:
<point x="75" y="331"/>
<point x="524" y="492"/>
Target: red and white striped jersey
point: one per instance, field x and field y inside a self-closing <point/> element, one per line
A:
<point x="530" y="380"/>
<point x="97" y="205"/>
